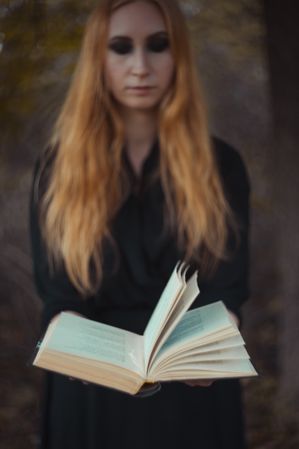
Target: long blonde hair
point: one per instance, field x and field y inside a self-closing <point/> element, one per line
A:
<point x="84" y="190"/>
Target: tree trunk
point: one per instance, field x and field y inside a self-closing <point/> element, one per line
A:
<point x="283" y="48"/>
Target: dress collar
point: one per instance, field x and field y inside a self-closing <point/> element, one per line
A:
<point x="149" y="171"/>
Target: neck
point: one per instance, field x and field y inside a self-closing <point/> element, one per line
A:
<point x="140" y="130"/>
<point x="140" y="134"/>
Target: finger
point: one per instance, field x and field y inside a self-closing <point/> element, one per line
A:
<point x="83" y="381"/>
<point x="148" y="390"/>
<point x="199" y="383"/>
<point x="235" y="318"/>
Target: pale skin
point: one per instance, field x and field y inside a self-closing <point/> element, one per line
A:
<point x="139" y="69"/>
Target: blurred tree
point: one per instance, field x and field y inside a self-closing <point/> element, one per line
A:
<point x="283" y="45"/>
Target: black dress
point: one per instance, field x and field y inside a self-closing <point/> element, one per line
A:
<point x="78" y="416"/>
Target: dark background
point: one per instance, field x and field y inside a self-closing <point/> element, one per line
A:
<point x="248" y="60"/>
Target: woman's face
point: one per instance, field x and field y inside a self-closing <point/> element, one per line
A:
<point x="139" y="67"/>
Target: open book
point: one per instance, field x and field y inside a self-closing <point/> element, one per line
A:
<point x="203" y="343"/>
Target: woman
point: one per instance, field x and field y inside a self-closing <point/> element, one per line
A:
<point x="130" y="184"/>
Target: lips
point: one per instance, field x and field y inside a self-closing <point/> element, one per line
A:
<point x="140" y="90"/>
<point x="140" y="87"/>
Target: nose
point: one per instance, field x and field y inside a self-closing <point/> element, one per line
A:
<point x="140" y="63"/>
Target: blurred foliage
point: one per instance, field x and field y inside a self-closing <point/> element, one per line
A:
<point x="237" y="24"/>
<point x="39" y="41"/>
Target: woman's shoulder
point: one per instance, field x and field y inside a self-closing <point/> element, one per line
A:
<point x="227" y="156"/>
<point x="41" y="172"/>
<point x="230" y="163"/>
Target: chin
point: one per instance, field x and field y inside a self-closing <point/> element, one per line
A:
<point x="141" y="105"/>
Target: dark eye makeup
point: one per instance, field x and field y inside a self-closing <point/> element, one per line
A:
<point x="156" y="43"/>
<point x="121" y="45"/>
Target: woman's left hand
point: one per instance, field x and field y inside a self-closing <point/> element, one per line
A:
<point x="199" y="382"/>
<point x="235" y="318"/>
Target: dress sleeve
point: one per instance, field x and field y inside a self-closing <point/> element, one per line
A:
<point x="53" y="286"/>
<point x="230" y="281"/>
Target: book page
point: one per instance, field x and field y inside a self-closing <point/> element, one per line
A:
<point x="237" y="353"/>
<point x="170" y="294"/>
<point x="189" y="294"/>
<point x="96" y="341"/>
<point x="226" y="343"/>
<point x="178" y="360"/>
<point x="197" y="324"/>
<point x="229" y="342"/>
<point x="211" y="369"/>
<point x="198" y="354"/>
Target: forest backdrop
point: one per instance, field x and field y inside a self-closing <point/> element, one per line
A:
<point x="247" y="60"/>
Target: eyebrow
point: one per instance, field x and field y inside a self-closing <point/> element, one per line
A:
<point x="156" y="34"/>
